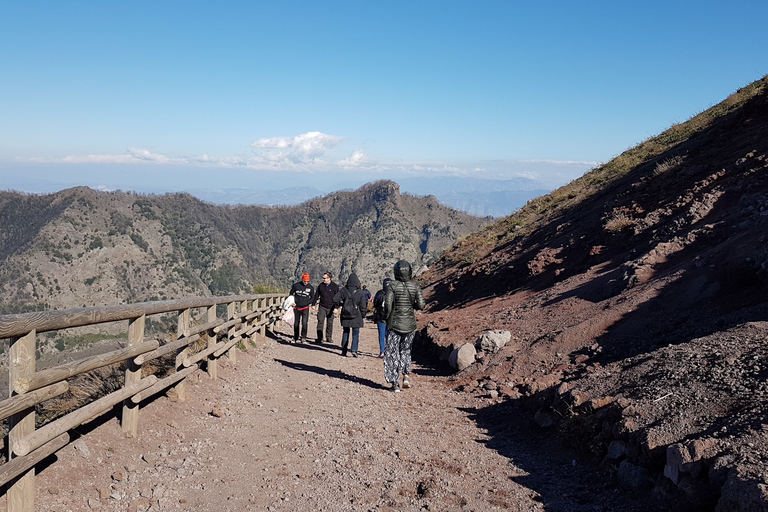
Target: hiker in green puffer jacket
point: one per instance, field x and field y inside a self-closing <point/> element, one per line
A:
<point x="402" y="297"/>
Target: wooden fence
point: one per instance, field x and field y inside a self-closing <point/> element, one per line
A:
<point x="26" y="446"/>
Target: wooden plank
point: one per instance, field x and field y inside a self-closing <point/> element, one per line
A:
<point x="42" y="321"/>
<point x="199" y="356"/>
<point x="226" y="325"/>
<point x="183" y="325"/>
<point x="21" y="358"/>
<point x="213" y="363"/>
<point x="166" y="349"/>
<point x="78" y="417"/>
<point x="130" y="418"/>
<point x="18" y="403"/>
<point x="210" y="325"/>
<point x="57" y="373"/>
<point x="19" y="465"/>
<point x="228" y="345"/>
<point x="162" y="384"/>
<point x="231" y="312"/>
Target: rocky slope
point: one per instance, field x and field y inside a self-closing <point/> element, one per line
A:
<point x="636" y="298"/>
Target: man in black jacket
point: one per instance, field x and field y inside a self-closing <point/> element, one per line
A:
<point x="324" y="295"/>
<point x="304" y="294"/>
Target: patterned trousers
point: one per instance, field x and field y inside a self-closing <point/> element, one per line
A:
<point x="397" y="355"/>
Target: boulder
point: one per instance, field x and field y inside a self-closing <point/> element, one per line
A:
<point x="633" y="477"/>
<point x="462" y="357"/>
<point x="493" y="340"/>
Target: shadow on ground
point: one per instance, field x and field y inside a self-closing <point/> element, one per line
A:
<point x="565" y="480"/>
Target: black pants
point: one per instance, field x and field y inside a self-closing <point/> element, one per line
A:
<point x="301" y="316"/>
<point x="325" y="317"/>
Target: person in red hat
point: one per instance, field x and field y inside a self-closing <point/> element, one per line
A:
<point x="303" y="295"/>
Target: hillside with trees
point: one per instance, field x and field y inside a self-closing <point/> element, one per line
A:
<point x="81" y="247"/>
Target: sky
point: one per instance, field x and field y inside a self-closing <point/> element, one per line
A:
<point x="160" y="96"/>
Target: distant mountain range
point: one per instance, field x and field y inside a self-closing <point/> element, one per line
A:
<point x="479" y="197"/>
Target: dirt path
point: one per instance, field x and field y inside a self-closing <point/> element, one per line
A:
<point x="298" y="427"/>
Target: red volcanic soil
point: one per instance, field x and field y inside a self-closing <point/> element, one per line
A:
<point x="638" y="318"/>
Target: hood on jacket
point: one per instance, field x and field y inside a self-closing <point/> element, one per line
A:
<point x="403" y="271"/>
<point x="353" y="281"/>
<point x="386" y="282"/>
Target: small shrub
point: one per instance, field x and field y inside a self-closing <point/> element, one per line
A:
<point x="618" y="222"/>
<point x="666" y="165"/>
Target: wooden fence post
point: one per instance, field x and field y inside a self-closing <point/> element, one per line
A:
<point x="232" y="352"/>
<point x="181" y="331"/>
<point x="212" y="362"/>
<point x="21" y="357"/>
<point x="130" y="416"/>
<point x="270" y="303"/>
<point x="262" y="304"/>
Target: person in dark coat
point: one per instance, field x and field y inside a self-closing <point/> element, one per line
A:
<point x="304" y="294"/>
<point x="324" y="295"/>
<point x="402" y="297"/>
<point x="351" y="320"/>
<point x="378" y="315"/>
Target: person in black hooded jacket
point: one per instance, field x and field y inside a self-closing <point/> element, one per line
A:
<point x="351" y="317"/>
<point x="402" y="297"/>
<point x="378" y="315"/>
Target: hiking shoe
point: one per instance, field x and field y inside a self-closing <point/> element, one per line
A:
<point x="354" y="354"/>
<point x="395" y="387"/>
<point x="406" y="383"/>
<point x="343" y="353"/>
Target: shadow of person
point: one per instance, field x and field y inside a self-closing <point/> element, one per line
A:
<point x="336" y="374"/>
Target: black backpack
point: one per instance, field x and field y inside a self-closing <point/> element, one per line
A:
<point x="349" y="309"/>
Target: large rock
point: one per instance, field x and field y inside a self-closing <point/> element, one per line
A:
<point x="462" y="357"/>
<point x="493" y="340"/>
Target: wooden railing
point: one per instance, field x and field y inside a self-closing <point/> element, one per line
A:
<point x="26" y="446"/>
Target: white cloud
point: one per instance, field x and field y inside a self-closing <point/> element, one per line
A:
<point x="358" y="158"/>
<point x="147" y="156"/>
<point x="131" y="156"/>
<point x="306" y="148"/>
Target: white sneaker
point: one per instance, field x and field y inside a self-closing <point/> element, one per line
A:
<point x="406" y="383"/>
<point x="395" y="387"/>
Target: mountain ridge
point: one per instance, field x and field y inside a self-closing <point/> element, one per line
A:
<point x="82" y="247"/>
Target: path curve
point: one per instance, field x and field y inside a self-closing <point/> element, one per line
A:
<point x="297" y="428"/>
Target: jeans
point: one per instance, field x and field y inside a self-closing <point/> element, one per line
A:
<point x="382" y="326"/>
<point x="345" y="339"/>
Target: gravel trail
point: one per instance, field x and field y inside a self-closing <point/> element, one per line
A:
<point x="298" y="427"/>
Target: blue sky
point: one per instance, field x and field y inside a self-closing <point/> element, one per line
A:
<point x="163" y="96"/>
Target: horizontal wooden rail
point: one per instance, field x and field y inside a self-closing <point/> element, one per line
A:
<point x="18" y="403"/>
<point x="42" y="321"/>
<point x="43" y="435"/>
<point x="19" y="465"/>
<point x="231" y="343"/>
<point x="199" y="356"/>
<point x="166" y="349"/>
<point x="226" y="325"/>
<point x="162" y="384"/>
<point x="197" y="329"/>
<point x="57" y="373"/>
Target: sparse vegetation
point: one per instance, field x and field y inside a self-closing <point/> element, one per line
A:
<point x="618" y="222"/>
